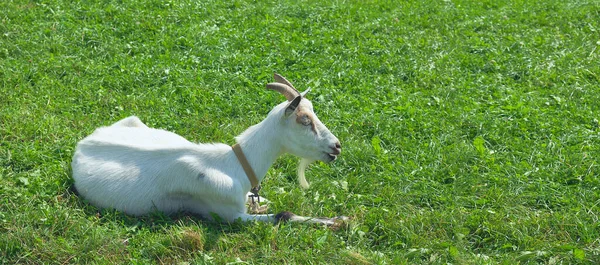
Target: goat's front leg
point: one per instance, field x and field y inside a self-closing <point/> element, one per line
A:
<point x="286" y="216"/>
<point x="268" y="218"/>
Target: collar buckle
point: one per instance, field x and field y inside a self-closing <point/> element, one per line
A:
<point x="254" y="194"/>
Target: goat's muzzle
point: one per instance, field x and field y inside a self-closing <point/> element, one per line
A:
<point x="336" y="150"/>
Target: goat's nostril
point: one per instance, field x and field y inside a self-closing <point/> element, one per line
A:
<point x="336" y="149"/>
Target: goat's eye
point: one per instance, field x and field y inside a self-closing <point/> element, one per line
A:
<point x="305" y="120"/>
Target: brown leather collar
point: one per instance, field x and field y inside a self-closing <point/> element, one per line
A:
<point x="247" y="168"/>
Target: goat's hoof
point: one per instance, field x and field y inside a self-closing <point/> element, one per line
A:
<point x="341" y="218"/>
<point x="284" y="216"/>
<point x="339" y="222"/>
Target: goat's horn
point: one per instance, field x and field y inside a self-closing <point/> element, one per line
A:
<point x="281" y="79"/>
<point x="305" y="91"/>
<point x="289" y="92"/>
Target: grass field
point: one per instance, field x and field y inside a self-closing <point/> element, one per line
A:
<point x="470" y="129"/>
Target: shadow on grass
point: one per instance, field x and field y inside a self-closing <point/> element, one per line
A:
<point x="196" y="233"/>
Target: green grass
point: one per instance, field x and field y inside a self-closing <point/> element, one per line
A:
<point x="470" y="129"/>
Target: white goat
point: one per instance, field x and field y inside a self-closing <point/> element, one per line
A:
<point x="136" y="169"/>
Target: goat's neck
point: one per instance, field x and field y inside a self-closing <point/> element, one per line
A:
<point x="261" y="147"/>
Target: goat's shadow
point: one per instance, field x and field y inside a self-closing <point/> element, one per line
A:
<point x="156" y="222"/>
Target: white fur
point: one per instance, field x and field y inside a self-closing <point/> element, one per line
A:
<point x="136" y="169"/>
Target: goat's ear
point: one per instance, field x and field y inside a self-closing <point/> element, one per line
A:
<point x="305" y="91"/>
<point x="292" y="106"/>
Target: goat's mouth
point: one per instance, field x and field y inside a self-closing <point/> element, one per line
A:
<point x="331" y="157"/>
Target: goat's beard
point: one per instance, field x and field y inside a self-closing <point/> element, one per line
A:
<point x="304" y="162"/>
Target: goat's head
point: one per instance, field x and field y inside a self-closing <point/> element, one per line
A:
<point x="304" y="134"/>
